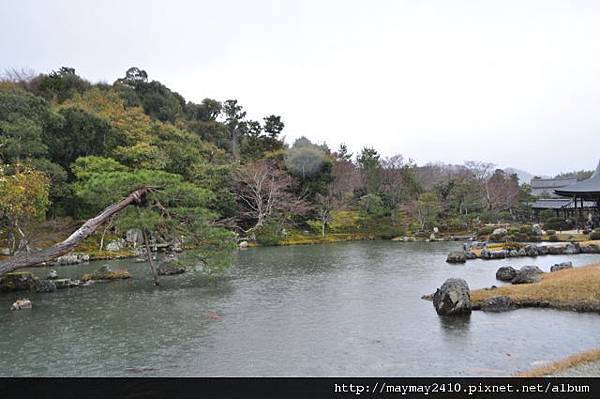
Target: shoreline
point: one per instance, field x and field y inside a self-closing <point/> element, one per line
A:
<point x="574" y="289"/>
<point x="568" y="365"/>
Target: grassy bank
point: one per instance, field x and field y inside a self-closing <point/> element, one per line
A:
<point x="572" y="289"/>
<point x="563" y="364"/>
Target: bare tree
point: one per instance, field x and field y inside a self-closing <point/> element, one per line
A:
<point x="482" y="172"/>
<point x="503" y="191"/>
<point x="20" y="76"/>
<point x="264" y="191"/>
<point x="324" y="207"/>
<point x="346" y="179"/>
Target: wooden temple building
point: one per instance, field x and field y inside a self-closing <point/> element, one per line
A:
<point x="585" y="196"/>
<point x="579" y="201"/>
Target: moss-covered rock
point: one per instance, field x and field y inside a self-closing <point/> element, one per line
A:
<point x="18" y="281"/>
<point x="171" y="267"/>
<point x="106" y="273"/>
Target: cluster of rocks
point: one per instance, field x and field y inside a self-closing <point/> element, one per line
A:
<point x="525" y="275"/>
<point x="561" y="266"/>
<point x="134" y="239"/>
<point x="453" y="298"/>
<point x="530" y="250"/>
<point x="27" y="281"/>
<point x="532" y="233"/>
<point x="73" y="258"/>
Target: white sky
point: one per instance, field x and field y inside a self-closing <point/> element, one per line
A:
<point x="516" y="83"/>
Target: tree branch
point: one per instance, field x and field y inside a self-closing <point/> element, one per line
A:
<point x="61" y="248"/>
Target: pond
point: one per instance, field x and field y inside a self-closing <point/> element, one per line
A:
<point x="347" y="309"/>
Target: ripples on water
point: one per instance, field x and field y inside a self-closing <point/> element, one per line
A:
<point x="342" y="309"/>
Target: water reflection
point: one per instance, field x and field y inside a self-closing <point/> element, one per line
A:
<point x="455" y="326"/>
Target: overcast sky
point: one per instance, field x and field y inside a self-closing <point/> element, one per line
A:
<point x="516" y="83"/>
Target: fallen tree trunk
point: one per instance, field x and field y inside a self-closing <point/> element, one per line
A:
<point x="36" y="257"/>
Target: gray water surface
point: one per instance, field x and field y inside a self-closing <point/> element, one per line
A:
<point x="347" y="309"/>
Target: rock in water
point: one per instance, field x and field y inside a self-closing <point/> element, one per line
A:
<point x="561" y="266"/>
<point x="452" y="298"/>
<point x="52" y="275"/>
<point x="498" y="304"/>
<point x="170" y="268"/>
<point x="106" y="273"/>
<point x="21" y="304"/>
<point x="506" y="273"/>
<point x="528" y="275"/>
<point x="456" y="257"/>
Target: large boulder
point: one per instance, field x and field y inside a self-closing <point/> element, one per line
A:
<point x="171" y="267"/>
<point x="506" y="273"/>
<point x="498" y="304"/>
<point x="115" y="246"/>
<point x="498" y="234"/>
<point x="561" y="266"/>
<point x="134" y="237"/>
<point x="452" y="298"/>
<point x="530" y="250"/>
<point x="536" y="230"/>
<point x="528" y="275"/>
<point x="106" y="273"/>
<point x="572" y="248"/>
<point x="456" y="257"/>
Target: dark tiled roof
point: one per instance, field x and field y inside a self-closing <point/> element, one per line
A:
<point x="552" y="183"/>
<point x="589" y="188"/>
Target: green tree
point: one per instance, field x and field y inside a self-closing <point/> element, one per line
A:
<point x="20" y="138"/>
<point x="427" y="209"/>
<point x="174" y="208"/>
<point x="24" y="197"/>
<point x="59" y="85"/>
<point x="234" y="120"/>
<point x="369" y="163"/>
<point x="79" y="134"/>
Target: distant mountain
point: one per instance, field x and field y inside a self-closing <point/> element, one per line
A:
<point x="524" y="177"/>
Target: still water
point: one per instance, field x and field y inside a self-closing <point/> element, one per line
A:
<point x="330" y="310"/>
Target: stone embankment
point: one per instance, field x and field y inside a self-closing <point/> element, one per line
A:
<point x="516" y="250"/>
